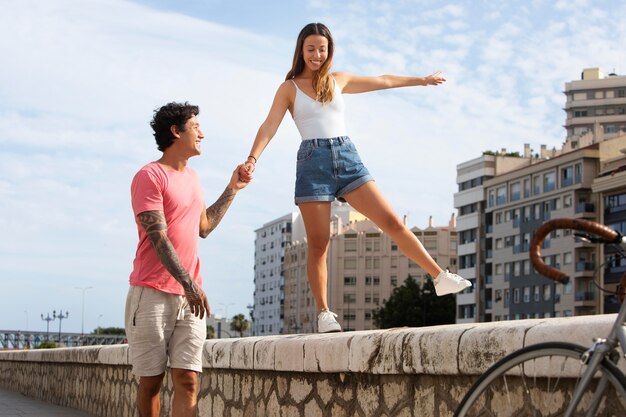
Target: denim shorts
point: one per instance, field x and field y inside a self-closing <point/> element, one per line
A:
<point x="328" y="169"/>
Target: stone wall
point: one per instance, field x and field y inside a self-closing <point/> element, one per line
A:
<point x="398" y="372"/>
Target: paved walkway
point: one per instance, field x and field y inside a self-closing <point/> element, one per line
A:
<point x="14" y="404"/>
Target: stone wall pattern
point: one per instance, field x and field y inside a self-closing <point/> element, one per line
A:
<point x="396" y="372"/>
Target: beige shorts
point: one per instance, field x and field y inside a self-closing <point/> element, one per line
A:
<point x="160" y="326"/>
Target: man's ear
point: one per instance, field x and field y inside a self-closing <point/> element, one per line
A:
<point x="175" y="131"/>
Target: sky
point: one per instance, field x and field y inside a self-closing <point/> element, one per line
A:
<point x="79" y="82"/>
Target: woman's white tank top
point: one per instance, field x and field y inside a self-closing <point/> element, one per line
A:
<point x="316" y="121"/>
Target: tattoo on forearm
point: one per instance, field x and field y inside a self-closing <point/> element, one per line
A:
<point x="216" y="211"/>
<point x="155" y="226"/>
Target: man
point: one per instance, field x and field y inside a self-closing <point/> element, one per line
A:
<point x="166" y="306"/>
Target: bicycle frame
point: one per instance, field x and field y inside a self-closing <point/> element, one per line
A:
<point x="601" y="348"/>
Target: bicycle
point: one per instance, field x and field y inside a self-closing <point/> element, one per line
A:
<point x="558" y="378"/>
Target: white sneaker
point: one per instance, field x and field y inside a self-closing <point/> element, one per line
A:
<point x="326" y="322"/>
<point x="448" y="283"/>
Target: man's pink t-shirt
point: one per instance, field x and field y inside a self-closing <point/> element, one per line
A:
<point x="179" y="196"/>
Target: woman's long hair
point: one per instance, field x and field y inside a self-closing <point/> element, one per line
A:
<point x="322" y="83"/>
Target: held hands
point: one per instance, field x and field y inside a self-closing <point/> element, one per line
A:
<point x="239" y="181"/>
<point x="434" y="79"/>
<point x="245" y="170"/>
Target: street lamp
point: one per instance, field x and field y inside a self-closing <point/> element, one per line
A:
<point x="48" y="319"/>
<point x="60" y="317"/>
<point x="82" y="325"/>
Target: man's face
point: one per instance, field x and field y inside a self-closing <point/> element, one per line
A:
<point x="189" y="140"/>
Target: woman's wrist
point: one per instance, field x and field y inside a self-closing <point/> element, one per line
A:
<point x="252" y="159"/>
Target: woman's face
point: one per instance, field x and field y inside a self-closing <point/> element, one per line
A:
<point x="314" y="52"/>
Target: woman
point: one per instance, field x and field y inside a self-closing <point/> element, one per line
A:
<point x="329" y="166"/>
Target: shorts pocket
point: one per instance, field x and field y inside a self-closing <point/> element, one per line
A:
<point x="305" y="152"/>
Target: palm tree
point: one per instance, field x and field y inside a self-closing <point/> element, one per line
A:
<point x="239" y="324"/>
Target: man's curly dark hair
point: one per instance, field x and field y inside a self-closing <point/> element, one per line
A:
<point x="172" y="114"/>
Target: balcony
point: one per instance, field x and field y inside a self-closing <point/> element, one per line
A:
<point x="585" y="296"/>
<point x="585" y="208"/>
<point x="585" y="266"/>
<point x="615" y="209"/>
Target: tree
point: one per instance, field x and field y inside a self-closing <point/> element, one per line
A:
<point x="110" y="331"/>
<point x="210" y="332"/>
<point x="410" y="305"/>
<point x="239" y="324"/>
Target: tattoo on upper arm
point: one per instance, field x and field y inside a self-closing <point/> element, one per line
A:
<point x="155" y="226"/>
<point x="217" y="210"/>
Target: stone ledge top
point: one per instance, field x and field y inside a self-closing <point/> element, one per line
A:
<point x="451" y="349"/>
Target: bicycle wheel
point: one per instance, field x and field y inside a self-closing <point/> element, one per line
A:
<point x="539" y="380"/>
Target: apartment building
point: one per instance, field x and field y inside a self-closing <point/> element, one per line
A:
<point x="364" y="267"/>
<point x="595" y="104"/>
<point x="610" y="187"/>
<point x="518" y="202"/>
<point x="270" y="243"/>
<point x="470" y="203"/>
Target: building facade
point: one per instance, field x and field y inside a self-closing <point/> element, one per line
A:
<point x="469" y="200"/>
<point x="595" y="104"/>
<point x="270" y="243"/>
<point x="610" y="187"/>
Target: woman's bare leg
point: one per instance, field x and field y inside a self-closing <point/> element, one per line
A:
<point x="369" y="201"/>
<point x="316" y="216"/>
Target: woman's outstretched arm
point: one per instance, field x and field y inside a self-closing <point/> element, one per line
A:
<point x="354" y="84"/>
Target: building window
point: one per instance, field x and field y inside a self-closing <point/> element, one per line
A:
<point x="516" y="191"/>
<point x="372" y="262"/>
<point x="372" y="245"/>
<point x="526" y="188"/>
<point x="548" y="182"/>
<point x="500" y="196"/>
<point x="516" y="295"/>
<point x="349" y="245"/>
<point x="536" y="185"/>
<point x="567" y="258"/>
<point x="547" y="292"/>
<point x="567" y="176"/>
<point x="349" y="315"/>
<point x="578" y="173"/>
<point x="349" y="298"/>
<point x="349" y="263"/>
<point x="349" y="280"/>
<point x="526" y="294"/>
